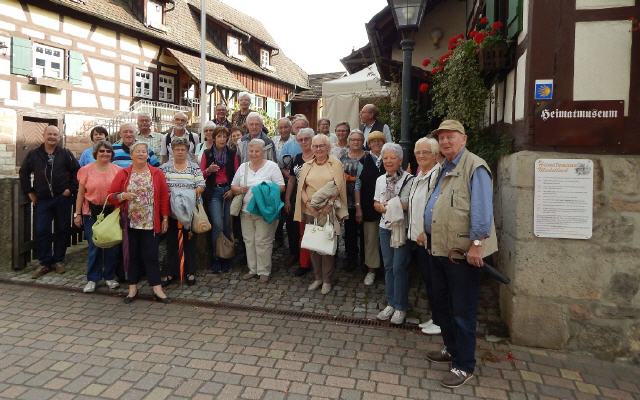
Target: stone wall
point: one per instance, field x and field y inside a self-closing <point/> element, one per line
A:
<point x="573" y="294"/>
<point x="8" y="126"/>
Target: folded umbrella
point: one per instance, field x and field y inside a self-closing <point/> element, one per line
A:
<point x="488" y="268"/>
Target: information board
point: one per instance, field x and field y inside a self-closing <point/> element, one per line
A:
<point x="563" y="201"/>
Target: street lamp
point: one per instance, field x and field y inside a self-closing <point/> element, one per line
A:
<point x="407" y="15"/>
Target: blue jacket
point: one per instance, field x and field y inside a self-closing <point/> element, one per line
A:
<point x="265" y="201"/>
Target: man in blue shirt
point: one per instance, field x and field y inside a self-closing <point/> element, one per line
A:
<point x="458" y="222"/>
<point x="121" y="153"/>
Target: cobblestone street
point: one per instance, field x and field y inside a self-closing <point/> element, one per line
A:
<point x="64" y="345"/>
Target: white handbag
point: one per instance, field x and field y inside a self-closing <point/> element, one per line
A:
<point x="238" y="200"/>
<point x="321" y="239"/>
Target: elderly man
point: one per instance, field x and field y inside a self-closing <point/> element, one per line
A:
<point x="369" y="123"/>
<point x="179" y="130"/>
<point x="284" y="137"/>
<point x="146" y="135"/>
<point x="221" y="113"/>
<point x="324" y="127"/>
<point x="121" y="153"/>
<point x="54" y="171"/>
<point x="239" y="118"/>
<point x="254" y="126"/>
<point x="458" y="222"/>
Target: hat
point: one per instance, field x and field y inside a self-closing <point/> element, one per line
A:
<point x="376" y="135"/>
<point x="449" y="125"/>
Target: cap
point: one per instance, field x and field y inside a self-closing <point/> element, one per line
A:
<point x="449" y="125"/>
<point x="376" y="135"/>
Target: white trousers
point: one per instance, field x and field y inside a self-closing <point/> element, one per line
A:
<point x="258" y="239"/>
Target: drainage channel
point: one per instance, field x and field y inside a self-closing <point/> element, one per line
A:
<point x="231" y="306"/>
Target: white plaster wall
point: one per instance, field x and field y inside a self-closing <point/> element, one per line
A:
<point x="76" y="28"/>
<point x="104" y="37"/>
<point x="108" y="102"/>
<point x="525" y="21"/>
<point x="5" y="88"/>
<point x="28" y="94"/>
<point x="87" y="82"/>
<point x="500" y="101"/>
<point x="44" y="18"/>
<point x="124" y="105"/>
<point x="12" y="9"/>
<point x="602" y="61"/>
<point x="149" y="50"/>
<point x="82" y="100"/>
<point x="125" y="73"/>
<point x="101" y="67"/>
<point x="86" y="47"/>
<point x="508" y="98"/>
<point x="60" y="40"/>
<point x="7" y="26"/>
<point x="32" y="33"/>
<point x="125" y="89"/>
<point x="596" y="4"/>
<point x="105" y="86"/>
<point x="5" y="66"/>
<point x="129" y="44"/>
<point x="57" y="98"/>
<point x="520" y="81"/>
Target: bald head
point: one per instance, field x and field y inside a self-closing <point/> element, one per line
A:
<point x="51" y="136"/>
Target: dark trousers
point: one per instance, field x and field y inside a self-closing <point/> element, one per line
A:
<point x="101" y="263"/>
<point x="353" y="239"/>
<point x="424" y="261"/>
<point x="293" y="235"/>
<point x="143" y="256"/>
<point x="58" y="211"/>
<point x="173" y="256"/>
<point x="455" y="302"/>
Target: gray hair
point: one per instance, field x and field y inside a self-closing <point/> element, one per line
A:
<point x="130" y="125"/>
<point x="244" y="94"/>
<point x="256" y="142"/>
<point x="287" y="120"/>
<point x="433" y="144"/>
<point x="322" y="138"/>
<point x="180" y="141"/>
<point x="136" y="144"/>
<point x="208" y="125"/>
<point x="143" y="114"/>
<point x="306" y="132"/>
<point x="254" y="115"/>
<point x="392" y="147"/>
<point x="221" y="105"/>
<point x="180" y="113"/>
<point x="355" y="132"/>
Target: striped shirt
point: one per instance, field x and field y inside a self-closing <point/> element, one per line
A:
<point x="122" y="157"/>
<point x="188" y="178"/>
<point x="154" y="140"/>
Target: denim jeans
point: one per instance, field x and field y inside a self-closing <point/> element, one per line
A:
<point x="220" y="222"/>
<point x="396" y="271"/>
<point x="101" y="263"/>
<point x="455" y="288"/>
<point x="58" y="210"/>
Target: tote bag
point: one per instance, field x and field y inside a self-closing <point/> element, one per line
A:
<point x="200" y="222"/>
<point x="321" y="239"/>
<point x="106" y="231"/>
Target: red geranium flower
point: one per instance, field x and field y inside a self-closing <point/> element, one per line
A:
<point x="426" y="62"/>
<point x="479" y="37"/>
<point x="473" y="34"/>
<point x="437" y="69"/>
<point x="484" y="21"/>
<point x="423" y="88"/>
<point x="496" y="26"/>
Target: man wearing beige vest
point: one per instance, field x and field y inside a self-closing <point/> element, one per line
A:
<point x="458" y="216"/>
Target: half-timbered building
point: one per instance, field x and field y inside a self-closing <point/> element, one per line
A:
<point x="77" y="63"/>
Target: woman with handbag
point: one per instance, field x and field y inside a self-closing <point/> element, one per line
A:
<point x="219" y="165"/>
<point x="94" y="182"/>
<point x="142" y="194"/>
<point x="391" y="199"/>
<point x="314" y="175"/>
<point x="186" y="185"/>
<point x="258" y="235"/>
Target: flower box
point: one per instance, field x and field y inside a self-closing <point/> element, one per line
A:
<point x="494" y="58"/>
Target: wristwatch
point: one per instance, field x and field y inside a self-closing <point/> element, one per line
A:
<point x="75" y="215"/>
<point x="477" y="243"/>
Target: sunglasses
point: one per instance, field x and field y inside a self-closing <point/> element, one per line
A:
<point x="101" y="151"/>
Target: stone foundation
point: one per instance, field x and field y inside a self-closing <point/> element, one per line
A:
<point x="573" y="294"/>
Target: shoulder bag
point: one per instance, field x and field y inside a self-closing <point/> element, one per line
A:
<point x="225" y="246"/>
<point x="236" y="204"/>
<point x="200" y="222"/>
<point x="106" y="231"/>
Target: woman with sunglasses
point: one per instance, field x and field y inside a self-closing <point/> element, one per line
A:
<point x="94" y="181"/>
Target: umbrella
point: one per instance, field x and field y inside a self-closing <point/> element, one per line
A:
<point x="489" y="269"/>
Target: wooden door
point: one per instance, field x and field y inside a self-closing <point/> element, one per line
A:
<point x="29" y="135"/>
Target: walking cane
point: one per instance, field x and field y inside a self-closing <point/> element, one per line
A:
<point x="181" y="251"/>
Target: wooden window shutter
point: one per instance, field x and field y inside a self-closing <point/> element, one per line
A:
<point x="271" y="107"/>
<point x="75" y="67"/>
<point x="514" y="18"/>
<point x="21" y="56"/>
<point x="490" y="10"/>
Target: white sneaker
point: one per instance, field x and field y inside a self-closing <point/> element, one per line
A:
<point x="386" y="313"/>
<point x="314" y="285"/>
<point x="425" y="324"/>
<point x="369" y="278"/>
<point x="398" y="317"/>
<point x="90" y="287"/>
<point x="326" y="288"/>
<point x="112" y="284"/>
<point x="432" y="329"/>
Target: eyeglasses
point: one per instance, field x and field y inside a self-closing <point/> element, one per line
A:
<point x="318" y="146"/>
<point x="105" y="151"/>
<point x="423" y="153"/>
<point x="304" y="139"/>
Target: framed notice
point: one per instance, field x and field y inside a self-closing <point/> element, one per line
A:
<point x="563" y="201"/>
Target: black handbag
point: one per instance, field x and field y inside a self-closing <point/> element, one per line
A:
<point x="95" y="209"/>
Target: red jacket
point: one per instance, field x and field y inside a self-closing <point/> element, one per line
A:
<point x="160" y="194"/>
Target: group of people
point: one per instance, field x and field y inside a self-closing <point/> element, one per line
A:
<point x="352" y="179"/>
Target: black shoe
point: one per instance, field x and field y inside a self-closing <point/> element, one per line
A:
<point x="191" y="280"/>
<point x="301" y="271"/>
<point x="130" y="299"/>
<point x="167" y="281"/>
<point x="159" y="299"/>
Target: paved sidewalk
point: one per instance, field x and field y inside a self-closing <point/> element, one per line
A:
<point x="64" y="345"/>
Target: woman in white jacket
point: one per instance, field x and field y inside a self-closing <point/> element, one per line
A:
<point x="427" y="152"/>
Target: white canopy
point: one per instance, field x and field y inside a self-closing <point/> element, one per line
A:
<point x="341" y="96"/>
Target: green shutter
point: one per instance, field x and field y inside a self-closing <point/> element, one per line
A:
<point x="75" y="67"/>
<point x="252" y="96"/>
<point x="21" y="56"/>
<point x="287" y="108"/>
<point x="271" y="107"/>
<point x="490" y="10"/>
<point x="514" y="19"/>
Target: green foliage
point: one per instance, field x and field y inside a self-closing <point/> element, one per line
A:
<point x="489" y="145"/>
<point x="270" y="123"/>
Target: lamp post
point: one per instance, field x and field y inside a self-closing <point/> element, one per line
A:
<point x="407" y="15"/>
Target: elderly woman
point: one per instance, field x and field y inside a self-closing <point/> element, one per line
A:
<point x="186" y="185"/>
<point x="219" y="165"/>
<point x="365" y="213"/>
<point x="342" y="144"/>
<point x="255" y="124"/>
<point x="314" y="174"/>
<point x="239" y="118"/>
<point x="122" y="149"/>
<point x="97" y="134"/>
<point x="94" y="182"/>
<point x="258" y="235"/>
<point x="141" y="192"/>
<point x="352" y="161"/>
<point x="426" y="151"/>
<point x="395" y="183"/>
<point x="201" y="148"/>
<point x="303" y="138"/>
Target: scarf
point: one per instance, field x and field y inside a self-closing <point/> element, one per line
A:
<point x="220" y="156"/>
<point x="390" y="190"/>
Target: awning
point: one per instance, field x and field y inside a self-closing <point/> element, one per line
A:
<point x="216" y="74"/>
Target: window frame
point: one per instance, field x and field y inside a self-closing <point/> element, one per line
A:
<point x="148" y="20"/>
<point x="166" y="85"/>
<point x="265" y="55"/>
<point x="135" y="82"/>
<point x="262" y="100"/>
<point x="279" y="114"/>
<point x="38" y="71"/>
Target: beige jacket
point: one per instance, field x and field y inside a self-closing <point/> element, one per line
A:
<point x="338" y="175"/>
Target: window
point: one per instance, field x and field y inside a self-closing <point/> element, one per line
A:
<point x="143" y="84"/>
<point x="260" y="103"/>
<point x="264" y="58"/>
<point x="154" y="14"/>
<point x="278" y="109"/>
<point x="48" y="61"/>
<point x="166" y="88"/>
<point x="233" y="48"/>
